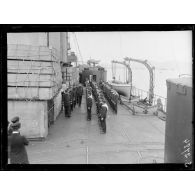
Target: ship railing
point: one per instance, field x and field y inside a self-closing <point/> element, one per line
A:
<point x="141" y="94"/>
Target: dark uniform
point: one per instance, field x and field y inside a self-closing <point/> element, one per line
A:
<point x="71" y="99"/>
<point x="62" y="94"/>
<point x="77" y="94"/>
<point x="89" y="101"/>
<point x="80" y="93"/>
<point x="103" y="113"/>
<point x="101" y="105"/>
<point x="74" y="96"/>
<point x="67" y="104"/>
<point x="111" y="95"/>
<point x="115" y="98"/>
<point x="89" y="105"/>
<point x="18" y="154"/>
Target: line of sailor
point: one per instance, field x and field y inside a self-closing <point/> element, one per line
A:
<point x="71" y="96"/>
<point x="102" y="107"/>
<point x="111" y="95"/>
<point x="89" y="99"/>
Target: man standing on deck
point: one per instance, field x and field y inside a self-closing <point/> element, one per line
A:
<point x="67" y="104"/>
<point x="18" y="154"/>
<point x="80" y="93"/>
<point x="115" y="98"/>
<point x="62" y="94"/>
<point x="89" y="104"/>
<point x="71" y="98"/>
<point x="103" y="113"/>
<point x="74" y="96"/>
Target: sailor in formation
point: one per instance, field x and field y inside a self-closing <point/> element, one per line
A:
<point x="67" y="103"/>
<point x="64" y="87"/>
<point x="71" y="98"/>
<point x="111" y="95"/>
<point x="114" y="99"/>
<point x="79" y="94"/>
<point x="101" y="105"/>
<point x="103" y="114"/>
<point x="74" y="95"/>
<point x="89" y="100"/>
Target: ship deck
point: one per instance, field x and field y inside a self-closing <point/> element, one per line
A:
<point x="130" y="139"/>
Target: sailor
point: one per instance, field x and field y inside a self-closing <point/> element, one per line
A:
<point x="67" y="103"/>
<point x="18" y="154"/>
<point x="111" y="99"/>
<point x="159" y="105"/>
<point x="103" y="113"/>
<point x="74" y="96"/>
<point x="86" y="82"/>
<point x="62" y="93"/>
<point x="116" y="96"/>
<point x="89" y="105"/>
<point x="13" y="120"/>
<point x="80" y="93"/>
<point x="71" y="98"/>
<point x="101" y="84"/>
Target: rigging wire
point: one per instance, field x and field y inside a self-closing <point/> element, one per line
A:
<point x="121" y="55"/>
<point x="78" y="46"/>
<point x="75" y="45"/>
<point x="120" y="43"/>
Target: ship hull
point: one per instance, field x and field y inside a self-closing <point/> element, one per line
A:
<point x="122" y="89"/>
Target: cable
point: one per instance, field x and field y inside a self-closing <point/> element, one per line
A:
<point x="120" y="42"/>
<point x="75" y="45"/>
<point x="78" y="47"/>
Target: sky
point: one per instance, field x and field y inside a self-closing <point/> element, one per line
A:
<point x="163" y="48"/>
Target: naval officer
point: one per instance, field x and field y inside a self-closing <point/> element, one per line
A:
<point x="103" y="113"/>
<point x="18" y="154"/>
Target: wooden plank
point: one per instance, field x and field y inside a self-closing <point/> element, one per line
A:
<point x="28" y="64"/>
<point x="50" y="73"/>
<point x="31" y="93"/>
<point x="31" y="52"/>
<point x="31" y="80"/>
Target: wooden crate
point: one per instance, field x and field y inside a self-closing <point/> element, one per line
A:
<point x="32" y="52"/>
<point x="29" y="82"/>
<point x="16" y="66"/>
<point x="33" y="117"/>
<point x="32" y="93"/>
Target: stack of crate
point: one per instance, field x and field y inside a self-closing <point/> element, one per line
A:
<point x="70" y="75"/>
<point x="30" y="52"/>
<point x="33" y="72"/>
<point x="34" y="83"/>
